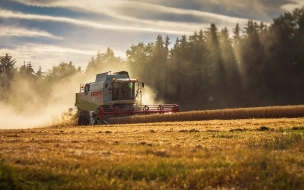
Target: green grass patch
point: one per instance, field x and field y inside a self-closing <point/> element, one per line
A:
<point x="7" y="176"/>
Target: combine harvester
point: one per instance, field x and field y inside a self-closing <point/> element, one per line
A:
<point x="114" y="95"/>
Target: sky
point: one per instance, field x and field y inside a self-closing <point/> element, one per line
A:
<point x="48" y="32"/>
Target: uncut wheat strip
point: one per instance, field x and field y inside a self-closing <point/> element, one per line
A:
<point x="238" y="113"/>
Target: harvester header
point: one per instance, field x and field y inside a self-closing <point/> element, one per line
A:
<point x="114" y="95"/>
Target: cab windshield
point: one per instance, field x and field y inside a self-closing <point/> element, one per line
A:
<point x="123" y="90"/>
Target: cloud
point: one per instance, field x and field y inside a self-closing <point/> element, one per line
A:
<point x="19" y="15"/>
<point x="260" y="10"/>
<point x="140" y="12"/>
<point x="25" y="32"/>
<point x="39" y="55"/>
<point x="146" y="16"/>
<point x="293" y="4"/>
<point x="153" y="15"/>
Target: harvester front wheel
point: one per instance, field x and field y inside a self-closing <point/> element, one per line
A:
<point x="83" y="121"/>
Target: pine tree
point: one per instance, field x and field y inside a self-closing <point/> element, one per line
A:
<point x="7" y="72"/>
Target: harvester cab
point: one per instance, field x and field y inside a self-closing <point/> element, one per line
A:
<point x="113" y="95"/>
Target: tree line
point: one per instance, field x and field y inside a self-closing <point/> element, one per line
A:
<point x="254" y="65"/>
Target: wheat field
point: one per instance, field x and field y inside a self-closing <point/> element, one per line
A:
<point x="212" y="154"/>
<point x="237" y="113"/>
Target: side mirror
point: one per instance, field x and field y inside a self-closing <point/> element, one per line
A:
<point x="142" y="85"/>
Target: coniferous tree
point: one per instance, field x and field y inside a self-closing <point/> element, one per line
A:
<point x="103" y="60"/>
<point x="26" y="71"/>
<point x="61" y="71"/>
<point x="7" y="74"/>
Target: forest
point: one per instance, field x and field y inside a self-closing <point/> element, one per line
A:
<point x="253" y="65"/>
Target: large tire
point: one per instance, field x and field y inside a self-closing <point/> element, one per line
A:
<point x="83" y="121"/>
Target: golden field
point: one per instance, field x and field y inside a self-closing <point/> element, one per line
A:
<point x="213" y="154"/>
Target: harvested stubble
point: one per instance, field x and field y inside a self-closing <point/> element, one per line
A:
<point x="238" y="113"/>
<point x="211" y="154"/>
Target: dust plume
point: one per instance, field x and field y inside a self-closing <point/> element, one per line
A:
<point x="45" y="103"/>
<point x="149" y="96"/>
<point x="31" y="106"/>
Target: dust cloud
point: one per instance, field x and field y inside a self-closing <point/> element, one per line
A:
<point x="149" y="96"/>
<point x="31" y="106"/>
